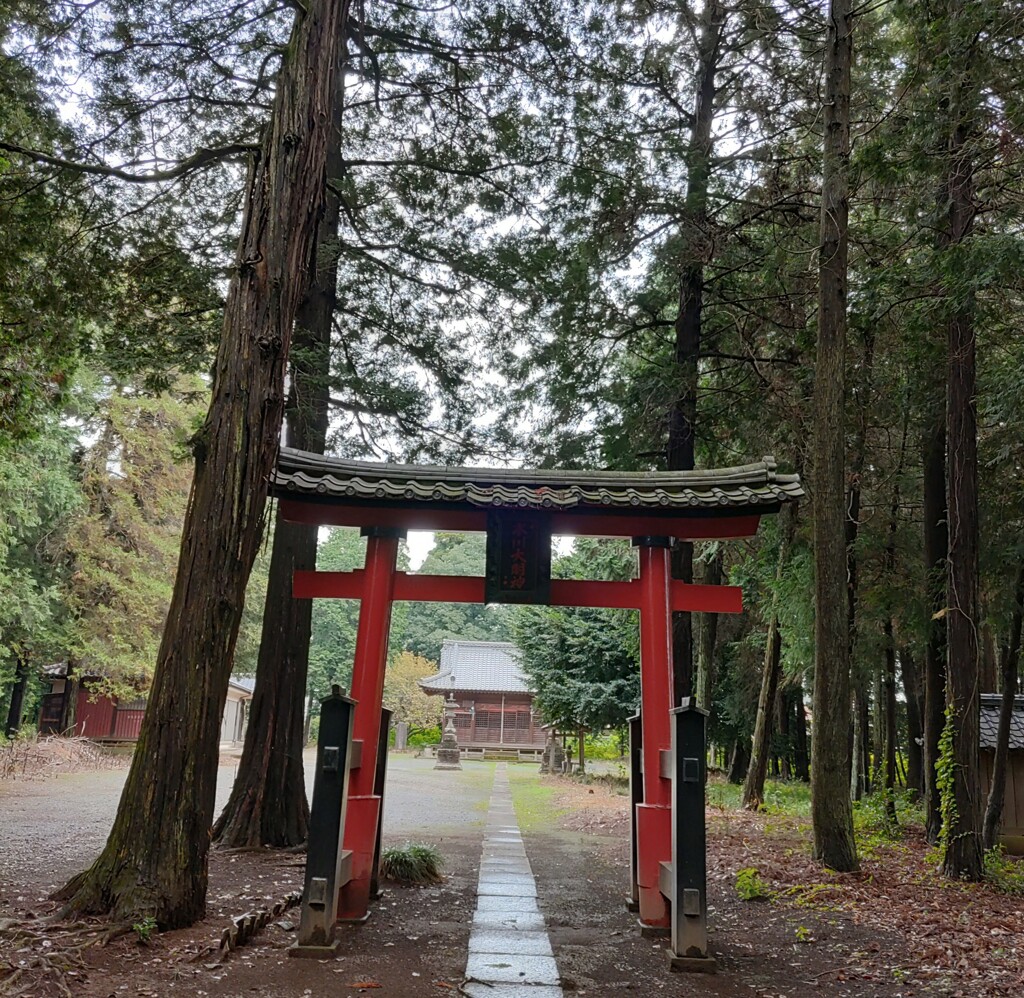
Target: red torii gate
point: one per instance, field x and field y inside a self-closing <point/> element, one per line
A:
<point x="652" y="508"/>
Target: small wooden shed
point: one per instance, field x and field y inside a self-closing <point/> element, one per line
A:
<point x="81" y="706"/>
<point x="1011" y="831"/>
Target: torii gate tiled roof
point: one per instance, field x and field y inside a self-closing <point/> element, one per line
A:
<point x="755" y="488"/>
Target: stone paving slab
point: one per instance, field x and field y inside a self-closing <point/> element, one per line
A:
<point x="512" y="968"/>
<point x="509" y="922"/>
<point x="498" y="941"/>
<point x="506" y="890"/>
<point x="477" y="989"/>
<point x="506" y="902"/>
<point x="506" y="877"/>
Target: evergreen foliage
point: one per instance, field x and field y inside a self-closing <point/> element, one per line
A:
<point x="583" y="663"/>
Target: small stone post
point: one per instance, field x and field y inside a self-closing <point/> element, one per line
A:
<point x="325" y="858"/>
<point x="688" y="874"/>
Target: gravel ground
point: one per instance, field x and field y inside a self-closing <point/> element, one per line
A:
<point x="50" y="829"/>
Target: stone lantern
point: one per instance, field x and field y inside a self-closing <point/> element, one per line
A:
<point x="448" y="754"/>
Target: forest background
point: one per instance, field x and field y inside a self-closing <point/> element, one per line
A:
<point x="557" y="234"/>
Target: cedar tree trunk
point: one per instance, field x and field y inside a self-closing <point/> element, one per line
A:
<point x="156" y="859"/>
<point x="962" y="808"/>
<point x="860" y="760"/>
<point x="800" y="760"/>
<point x="753" y="787"/>
<point x="1008" y="675"/>
<point x="936" y="545"/>
<point x="912" y="687"/>
<point x="268" y="803"/>
<point x="831" y="813"/>
<point x="739" y="761"/>
<point x="707" y="638"/>
<point x="16" y="706"/>
<point x="683" y="415"/>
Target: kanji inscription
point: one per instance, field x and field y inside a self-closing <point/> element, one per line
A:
<point x="518" y="557"/>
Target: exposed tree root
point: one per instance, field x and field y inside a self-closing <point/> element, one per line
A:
<point x="49" y="952"/>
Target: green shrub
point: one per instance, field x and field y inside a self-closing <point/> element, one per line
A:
<point x="425" y="736"/>
<point x="606" y="745"/>
<point x="413" y="863"/>
<point x="1004" y="873"/>
<point x="144" y="929"/>
<point x="750" y="886"/>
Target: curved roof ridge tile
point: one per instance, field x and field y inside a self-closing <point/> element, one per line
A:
<point x="755" y="484"/>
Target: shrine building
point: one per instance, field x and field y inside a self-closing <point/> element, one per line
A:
<point x="487" y="695"/>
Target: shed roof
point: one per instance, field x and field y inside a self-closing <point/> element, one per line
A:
<point x="246" y="683"/>
<point x="483" y="666"/>
<point x="756" y="487"/>
<point x="990" y="704"/>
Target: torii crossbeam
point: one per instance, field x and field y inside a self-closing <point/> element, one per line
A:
<point x="520" y="510"/>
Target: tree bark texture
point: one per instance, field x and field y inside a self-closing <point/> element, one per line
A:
<point x="831" y="813"/>
<point x="753" y="787"/>
<point x="860" y="740"/>
<point x="860" y="759"/>
<point x="707" y="638"/>
<point x="915" y="705"/>
<point x="936" y="543"/>
<point x="888" y="684"/>
<point x="962" y="804"/>
<point x="698" y="249"/>
<point x="801" y="762"/>
<point x="17" y="704"/>
<point x="268" y="803"/>
<point x="156" y="858"/>
<point x="1008" y="665"/>
<point x="739" y="760"/>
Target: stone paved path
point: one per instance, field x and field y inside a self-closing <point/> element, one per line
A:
<point x="509" y="950"/>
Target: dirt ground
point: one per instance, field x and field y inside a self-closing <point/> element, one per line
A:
<point x="868" y="936"/>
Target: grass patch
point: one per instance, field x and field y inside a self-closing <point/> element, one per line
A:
<point x="873" y="824"/>
<point x="617" y="783"/>
<point x="783" y="797"/>
<point x="413" y="863"/>
<point x="532" y="799"/>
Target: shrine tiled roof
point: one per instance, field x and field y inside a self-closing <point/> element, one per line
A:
<point x="755" y="487"/>
<point x="989" y="728"/>
<point x="479" y="666"/>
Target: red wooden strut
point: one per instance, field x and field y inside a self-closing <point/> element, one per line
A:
<point x="377" y="592"/>
<point x="564" y="592"/>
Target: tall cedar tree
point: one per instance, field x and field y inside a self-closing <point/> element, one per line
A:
<point x="936" y="545"/>
<point x="831" y="812"/>
<point x="1009" y="660"/>
<point x="771" y="673"/>
<point x="961" y="805"/>
<point x="683" y="413"/>
<point x="268" y="803"/>
<point x="155" y="862"/>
